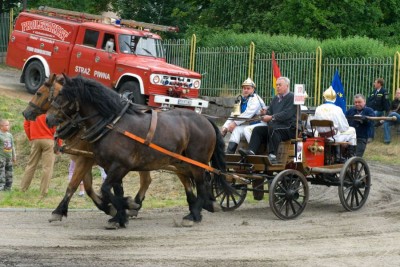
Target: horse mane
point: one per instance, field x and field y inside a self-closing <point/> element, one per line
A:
<point x="105" y="100"/>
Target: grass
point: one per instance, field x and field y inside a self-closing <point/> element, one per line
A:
<point x="165" y="190"/>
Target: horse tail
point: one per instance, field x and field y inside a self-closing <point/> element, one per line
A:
<point x="218" y="156"/>
<point x="218" y="160"/>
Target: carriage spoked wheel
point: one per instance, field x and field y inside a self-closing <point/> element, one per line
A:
<point x="355" y="184"/>
<point x="288" y="194"/>
<point x="229" y="200"/>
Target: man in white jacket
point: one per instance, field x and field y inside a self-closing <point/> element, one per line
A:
<point x="342" y="131"/>
<point x="250" y="105"/>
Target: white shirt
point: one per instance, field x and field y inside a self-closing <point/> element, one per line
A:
<point x="254" y="106"/>
<point x="330" y="111"/>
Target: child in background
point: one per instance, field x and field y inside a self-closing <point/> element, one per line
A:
<point x="7" y="156"/>
<point x="70" y="173"/>
<point x="81" y="186"/>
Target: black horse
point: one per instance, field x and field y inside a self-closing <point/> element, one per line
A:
<point x="105" y="116"/>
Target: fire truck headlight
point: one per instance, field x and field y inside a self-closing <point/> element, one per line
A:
<point x="196" y="84"/>
<point x="156" y="79"/>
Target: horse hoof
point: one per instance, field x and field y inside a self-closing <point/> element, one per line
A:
<point x="187" y="223"/>
<point x="132" y="205"/>
<point x="112" y="226"/>
<point x="132" y="213"/>
<point x="55" y="217"/>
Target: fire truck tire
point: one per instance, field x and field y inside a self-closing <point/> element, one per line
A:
<point x="34" y="76"/>
<point x="131" y="91"/>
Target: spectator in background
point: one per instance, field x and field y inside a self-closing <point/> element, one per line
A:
<point x="42" y="142"/>
<point x="7" y="156"/>
<point x="81" y="186"/>
<point x="394" y="112"/>
<point x="379" y="102"/>
<point x="357" y="119"/>
<point x="250" y="105"/>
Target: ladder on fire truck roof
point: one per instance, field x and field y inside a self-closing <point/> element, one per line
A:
<point x="86" y="17"/>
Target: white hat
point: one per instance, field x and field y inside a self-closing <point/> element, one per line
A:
<point x="250" y="82"/>
<point x="330" y="94"/>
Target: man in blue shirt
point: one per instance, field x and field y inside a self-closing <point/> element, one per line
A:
<point x="361" y="124"/>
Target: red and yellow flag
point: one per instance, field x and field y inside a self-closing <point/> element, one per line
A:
<point x="276" y="72"/>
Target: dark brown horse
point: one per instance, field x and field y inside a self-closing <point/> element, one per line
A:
<point x="180" y="131"/>
<point x="81" y="153"/>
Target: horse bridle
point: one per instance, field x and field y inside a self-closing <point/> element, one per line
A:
<point x="50" y="98"/>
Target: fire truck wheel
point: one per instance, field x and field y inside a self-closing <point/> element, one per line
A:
<point x="131" y="91"/>
<point x="34" y="76"/>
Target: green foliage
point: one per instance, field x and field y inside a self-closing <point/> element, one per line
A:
<point x="341" y="47"/>
<point x="355" y="47"/>
<point x="264" y="43"/>
<point x="88" y="6"/>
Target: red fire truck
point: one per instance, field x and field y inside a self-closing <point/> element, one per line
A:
<point x="114" y="52"/>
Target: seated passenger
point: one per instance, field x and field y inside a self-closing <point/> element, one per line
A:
<point x="251" y="104"/>
<point x="342" y="131"/>
<point x="281" y="119"/>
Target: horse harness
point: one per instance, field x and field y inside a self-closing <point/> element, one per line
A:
<point x="98" y="130"/>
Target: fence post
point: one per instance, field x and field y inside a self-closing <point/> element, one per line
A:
<point x="251" y="60"/>
<point x="318" y="74"/>
<point x="396" y="73"/>
<point x="11" y="22"/>
<point x="192" y="52"/>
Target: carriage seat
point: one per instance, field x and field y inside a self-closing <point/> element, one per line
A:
<point x="329" y="134"/>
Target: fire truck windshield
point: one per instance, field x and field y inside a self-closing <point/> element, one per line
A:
<point x="140" y="45"/>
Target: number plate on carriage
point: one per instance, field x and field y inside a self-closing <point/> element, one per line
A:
<point x="184" y="102"/>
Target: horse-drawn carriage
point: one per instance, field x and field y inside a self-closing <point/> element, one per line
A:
<point x="188" y="152"/>
<point x="299" y="161"/>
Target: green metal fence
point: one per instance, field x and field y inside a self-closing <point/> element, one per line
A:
<point x="178" y="52"/>
<point x="225" y="68"/>
<point x="4" y="31"/>
<point x="358" y="74"/>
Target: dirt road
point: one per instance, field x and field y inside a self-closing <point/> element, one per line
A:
<point x="324" y="235"/>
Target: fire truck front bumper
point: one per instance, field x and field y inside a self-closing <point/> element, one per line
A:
<point x="168" y="102"/>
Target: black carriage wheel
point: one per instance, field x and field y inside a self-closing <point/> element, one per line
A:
<point x="288" y="194"/>
<point x="131" y="90"/>
<point x="34" y="76"/>
<point x="355" y="183"/>
<point x="229" y="200"/>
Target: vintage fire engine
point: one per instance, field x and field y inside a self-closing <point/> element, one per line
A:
<point x="114" y="52"/>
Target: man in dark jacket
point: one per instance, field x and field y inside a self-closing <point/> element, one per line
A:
<point x="394" y="112"/>
<point x="377" y="100"/>
<point x="281" y="119"/>
<point x="357" y="119"/>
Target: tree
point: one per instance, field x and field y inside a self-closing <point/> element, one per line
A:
<point x="6" y="5"/>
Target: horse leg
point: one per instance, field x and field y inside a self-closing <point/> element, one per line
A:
<point x="114" y="181"/>
<point x="82" y="168"/>
<point x="145" y="181"/>
<point x="193" y="202"/>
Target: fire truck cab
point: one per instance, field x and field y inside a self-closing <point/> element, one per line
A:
<point x="111" y="51"/>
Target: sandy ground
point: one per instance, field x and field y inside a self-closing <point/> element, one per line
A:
<point x="323" y="235"/>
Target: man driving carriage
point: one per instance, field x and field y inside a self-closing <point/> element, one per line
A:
<point x="281" y="119"/>
<point x="250" y="105"/>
